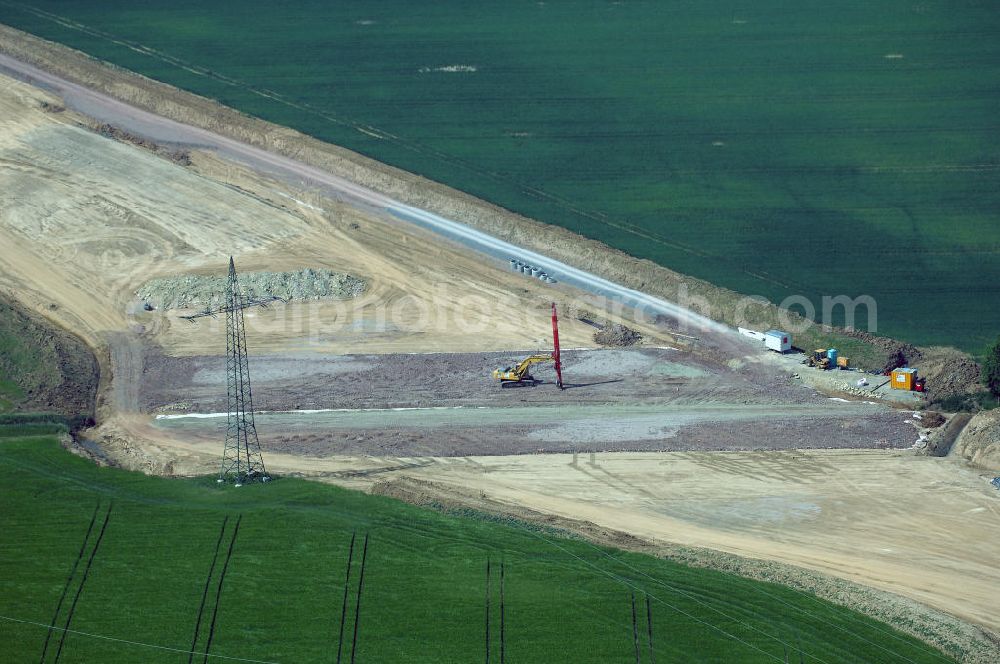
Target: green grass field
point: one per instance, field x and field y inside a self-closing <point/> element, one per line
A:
<point x="43" y="368"/>
<point x="138" y="581"/>
<point x="19" y="358"/>
<point x="820" y="148"/>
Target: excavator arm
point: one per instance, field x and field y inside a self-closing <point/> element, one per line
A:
<point x="519" y="372"/>
<point x="518" y="375"/>
<point x="528" y="362"/>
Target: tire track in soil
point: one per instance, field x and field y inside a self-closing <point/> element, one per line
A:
<point x="126" y="370"/>
<point x="613" y="481"/>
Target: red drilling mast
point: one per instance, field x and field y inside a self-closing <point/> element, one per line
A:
<point x="555" y="342"/>
<point x="516" y="376"/>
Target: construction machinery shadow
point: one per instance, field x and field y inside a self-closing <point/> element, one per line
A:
<point x="570" y="386"/>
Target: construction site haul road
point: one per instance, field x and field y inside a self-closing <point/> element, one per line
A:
<point x="385" y="381"/>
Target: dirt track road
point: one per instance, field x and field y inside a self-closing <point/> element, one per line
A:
<point x="156" y="128"/>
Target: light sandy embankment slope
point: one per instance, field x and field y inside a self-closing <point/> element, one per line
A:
<point x="86" y="220"/>
<point x="979" y="441"/>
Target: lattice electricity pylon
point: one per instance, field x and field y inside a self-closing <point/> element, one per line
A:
<point x="241" y="458"/>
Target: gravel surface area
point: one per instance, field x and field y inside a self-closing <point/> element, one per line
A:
<point x="632" y="376"/>
<point x="643" y="399"/>
<point x="885" y="430"/>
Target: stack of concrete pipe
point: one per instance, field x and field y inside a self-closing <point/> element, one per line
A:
<point x="531" y="271"/>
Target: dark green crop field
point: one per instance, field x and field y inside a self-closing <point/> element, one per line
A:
<point x="809" y="148"/>
<point x="132" y="568"/>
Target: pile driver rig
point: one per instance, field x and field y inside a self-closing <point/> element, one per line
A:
<point x="519" y="375"/>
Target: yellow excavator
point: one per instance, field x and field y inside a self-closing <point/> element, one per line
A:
<point x="520" y="376"/>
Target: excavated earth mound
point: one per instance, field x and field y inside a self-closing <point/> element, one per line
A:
<point x="202" y="290"/>
<point x="979" y="442"/>
<point x="617" y="335"/>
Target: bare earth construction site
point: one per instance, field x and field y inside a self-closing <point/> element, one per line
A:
<point x="654" y="399"/>
<point x="699" y="442"/>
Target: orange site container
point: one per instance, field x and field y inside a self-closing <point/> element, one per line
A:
<point x="903" y="379"/>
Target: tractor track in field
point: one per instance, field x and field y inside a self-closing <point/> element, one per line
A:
<point x="357" y="601"/>
<point x="347" y="586"/>
<point x="204" y="594"/>
<point x="69" y="581"/>
<point x="218" y="591"/>
<point x="83" y="582"/>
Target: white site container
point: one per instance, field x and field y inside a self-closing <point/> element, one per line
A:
<point x="778" y="340"/>
<point x="753" y="334"/>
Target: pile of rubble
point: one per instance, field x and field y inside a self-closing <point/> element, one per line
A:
<point x="860" y="391"/>
<point x="192" y="291"/>
<point x="931" y="419"/>
<point x="182" y="157"/>
<point x="949" y="372"/>
<point x="617" y="335"/>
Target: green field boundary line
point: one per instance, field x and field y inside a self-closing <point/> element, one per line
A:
<point x="347" y="585"/>
<point x="218" y="590"/>
<point x="69" y="581"/>
<point x="142" y="644"/>
<point x="694" y="598"/>
<point x="83" y="582"/>
<point x="204" y="593"/>
<point x="921" y="646"/>
<point x="357" y="603"/>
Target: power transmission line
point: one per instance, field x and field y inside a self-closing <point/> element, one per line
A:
<point x="132" y="643"/>
<point x="241" y="458"/>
